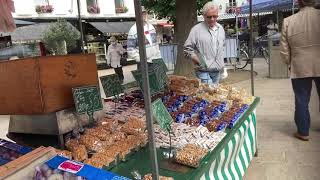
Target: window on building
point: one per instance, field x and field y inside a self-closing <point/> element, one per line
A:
<point x="43" y="6"/>
<point x="93" y="7"/>
<point x="120" y="6"/>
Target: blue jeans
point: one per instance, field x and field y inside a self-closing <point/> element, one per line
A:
<point x="211" y="78"/>
<point x="302" y="92"/>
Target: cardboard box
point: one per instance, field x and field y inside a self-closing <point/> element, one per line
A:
<point x="41" y="85"/>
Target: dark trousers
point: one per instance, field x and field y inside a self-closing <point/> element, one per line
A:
<point x="302" y="92"/>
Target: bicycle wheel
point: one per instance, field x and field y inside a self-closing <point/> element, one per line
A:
<point x="243" y="59"/>
<point x="266" y="55"/>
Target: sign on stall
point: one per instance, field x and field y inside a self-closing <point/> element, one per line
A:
<point x="87" y="99"/>
<point x="162" y="115"/>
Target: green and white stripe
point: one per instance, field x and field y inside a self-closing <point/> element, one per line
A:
<point x="234" y="159"/>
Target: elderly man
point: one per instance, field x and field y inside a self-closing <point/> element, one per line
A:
<point x="152" y="46"/>
<point x="205" y="46"/>
<point x="300" y="49"/>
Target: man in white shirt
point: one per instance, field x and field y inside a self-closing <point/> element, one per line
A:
<point x="272" y="28"/>
<point x="115" y="50"/>
<point x="152" y="46"/>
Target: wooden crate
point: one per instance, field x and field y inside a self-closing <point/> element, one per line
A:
<point x="41" y="85"/>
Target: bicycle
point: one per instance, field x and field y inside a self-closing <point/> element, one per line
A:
<point x="259" y="48"/>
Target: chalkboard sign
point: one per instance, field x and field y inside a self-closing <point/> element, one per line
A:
<point x="87" y="99"/>
<point x="111" y="85"/>
<point x="153" y="81"/>
<point x="162" y="115"/>
<point x="160" y="68"/>
<point x="160" y="63"/>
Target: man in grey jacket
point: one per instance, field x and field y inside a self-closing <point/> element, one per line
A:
<point x="205" y="45"/>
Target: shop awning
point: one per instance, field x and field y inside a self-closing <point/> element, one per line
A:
<point x="32" y="32"/>
<point x="259" y="6"/>
<point x="113" y="27"/>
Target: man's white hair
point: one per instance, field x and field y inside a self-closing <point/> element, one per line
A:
<point x="209" y="5"/>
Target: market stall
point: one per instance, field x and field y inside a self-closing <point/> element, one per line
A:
<point x="229" y="160"/>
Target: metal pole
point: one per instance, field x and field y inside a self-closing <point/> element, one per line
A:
<point x="146" y="89"/>
<point x="251" y="47"/>
<point x="80" y="26"/>
<point x="293" y="6"/>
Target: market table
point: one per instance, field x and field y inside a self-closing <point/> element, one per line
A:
<point x="229" y="160"/>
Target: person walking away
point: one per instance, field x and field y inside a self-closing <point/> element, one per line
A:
<point x="152" y="45"/>
<point x="115" y="51"/>
<point x="205" y="46"/>
<point x="272" y="28"/>
<point x="300" y="49"/>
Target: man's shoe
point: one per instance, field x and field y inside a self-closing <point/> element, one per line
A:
<point x="301" y="137"/>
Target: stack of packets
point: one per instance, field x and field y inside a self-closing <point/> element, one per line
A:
<point x="107" y="142"/>
<point x="183" y="86"/>
<point x="122" y="112"/>
<point x="183" y="134"/>
<point x="224" y="93"/>
<point x="190" y="155"/>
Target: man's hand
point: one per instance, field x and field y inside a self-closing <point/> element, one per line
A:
<point x="196" y="60"/>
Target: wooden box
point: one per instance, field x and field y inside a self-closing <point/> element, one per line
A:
<point x="41" y="85"/>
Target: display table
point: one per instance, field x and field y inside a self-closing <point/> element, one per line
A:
<point x="229" y="160"/>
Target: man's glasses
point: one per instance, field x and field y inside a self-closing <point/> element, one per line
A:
<point x="210" y="17"/>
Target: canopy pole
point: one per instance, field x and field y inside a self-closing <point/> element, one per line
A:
<point x="251" y="47"/>
<point x="146" y="89"/>
<point x="80" y="27"/>
<point x="293" y="4"/>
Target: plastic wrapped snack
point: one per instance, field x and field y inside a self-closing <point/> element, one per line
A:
<point x="64" y="153"/>
<point x="71" y="143"/>
<point x="44" y="172"/>
<point x="92" y="143"/>
<point x="149" y="177"/>
<point x="109" y="124"/>
<point x="79" y="153"/>
<point x="190" y="155"/>
<point x="94" y="162"/>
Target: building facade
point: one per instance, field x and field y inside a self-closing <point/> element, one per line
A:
<point x="46" y="9"/>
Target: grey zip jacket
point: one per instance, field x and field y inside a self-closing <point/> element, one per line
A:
<point x="208" y="44"/>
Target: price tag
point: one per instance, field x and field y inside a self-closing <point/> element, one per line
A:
<point x="162" y="115"/>
<point x="111" y="85"/>
<point x="153" y="81"/>
<point x="87" y="100"/>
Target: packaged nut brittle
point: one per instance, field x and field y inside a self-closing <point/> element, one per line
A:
<point x="92" y="143"/>
<point x="190" y="155"/>
<point x="94" y="162"/>
<point x="79" y="153"/>
<point x="149" y="177"/>
<point x="64" y="153"/>
<point x="71" y="143"/>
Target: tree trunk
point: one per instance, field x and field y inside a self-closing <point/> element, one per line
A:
<point x="186" y="14"/>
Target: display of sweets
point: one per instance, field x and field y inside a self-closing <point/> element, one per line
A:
<point x="224" y="93"/>
<point x="183" y="134"/>
<point x="190" y="155"/>
<point x="107" y="140"/>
